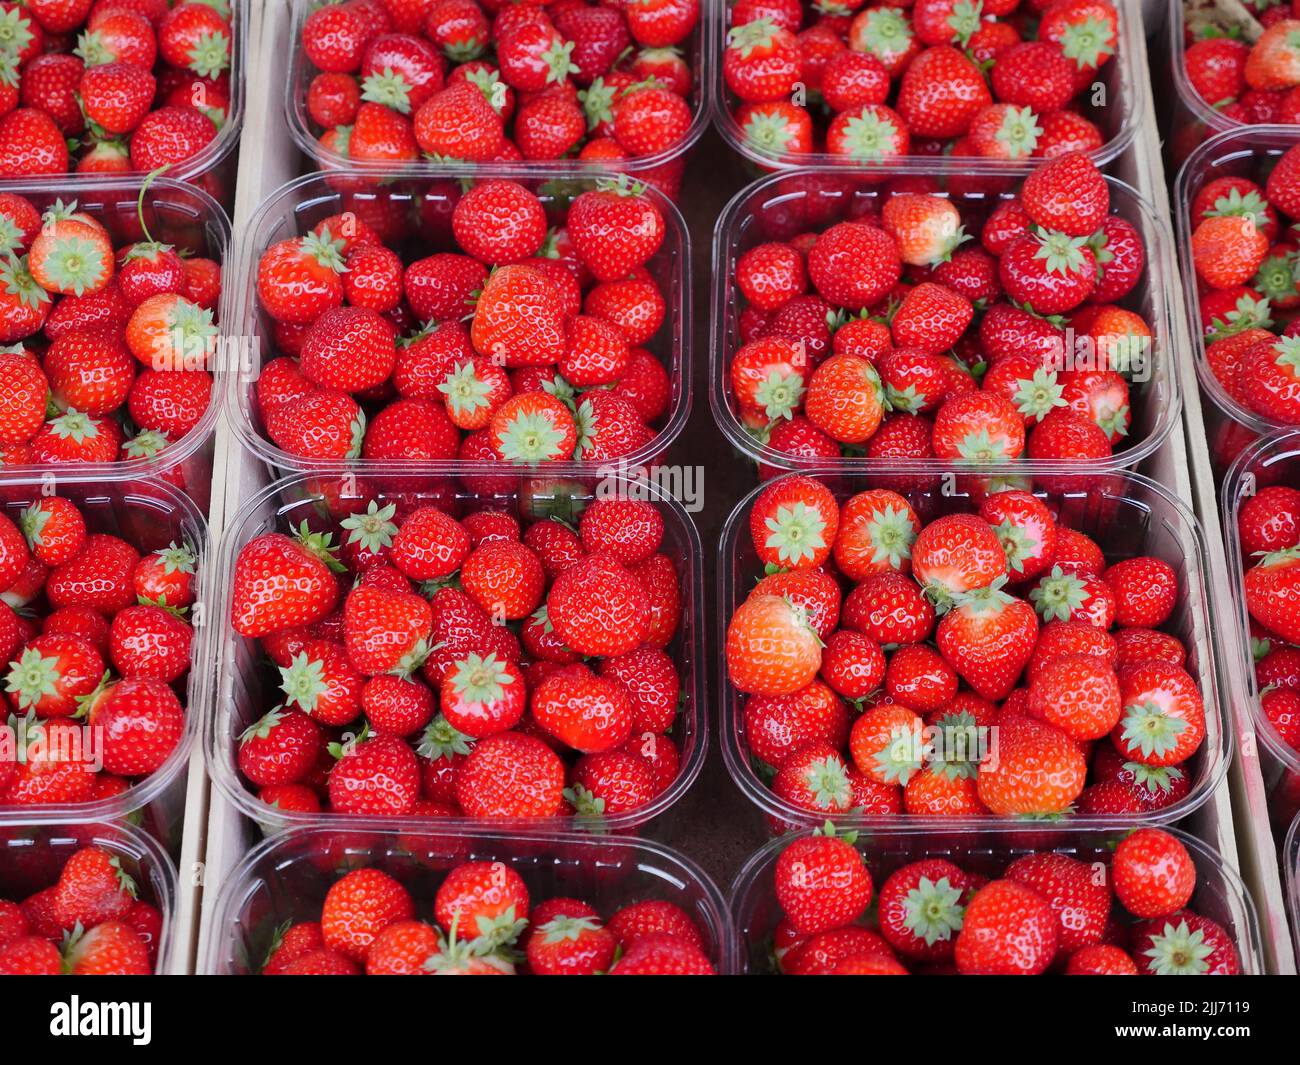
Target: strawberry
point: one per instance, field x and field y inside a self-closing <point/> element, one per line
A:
<point x="571" y="946"/>
<point x="53" y="674"/>
<point x="761" y="61"/>
<point x="299" y="279"/>
<point x="54" y="529"/>
<point x="169" y="136"/>
<point x="374" y="776"/>
<point x="109" y="949"/>
<point x="459" y="123"/>
<point x="1100" y="959"/>
<point x="1273" y="62"/>
<point x="1068" y="195"/>
<point x="988" y="636"/>
<point x="822" y="882"/>
<point x="500" y="332"/>
<point x="510" y="775"/>
<point x="854" y="265"/>
<point x="279" y="748"/>
<point x="845" y="399"/>
<point x="957" y="554"/>
<point x="359" y="906"/>
<point x="142" y="723"/>
<point x="1077" y="693"/>
<point x="771" y="649"/>
<point x="922" y="906"/>
<point x="31" y="144"/>
<point x="620" y="208"/>
<point x="482" y="695"/>
<point x="281" y="581"/>
<point x="26" y="955"/>
<point x="1184" y="944"/>
<point x="1145" y="591"/>
<point x="92" y="888"/>
<point x="656" y="955"/>
<point x="350" y="349"/>
<point x="941" y="92"/>
<point x="98" y="576"/>
<point x="116" y="96"/>
<point x="586" y="712"/>
<point x="386" y="630"/>
<point x="1080" y="903"/>
<point x="1008" y="929"/>
<point x="1163" y="721"/>
<point x="1153" y="873"/>
<point x="1037" y="770"/>
<point x="794" y="523"/>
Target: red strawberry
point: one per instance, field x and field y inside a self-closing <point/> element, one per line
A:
<point x="375" y="776"/>
<point x="142" y="723"/>
<point x="1154" y="875"/>
<point x="822" y="882"/>
<point x="1008" y="930"/>
<point x="281" y="581"/>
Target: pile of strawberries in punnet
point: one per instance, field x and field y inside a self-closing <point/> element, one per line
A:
<point x="987" y="663"/>
<point x="429" y="666"/>
<point x="893" y="334"/>
<point x="871" y="80"/>
<point x="1251" y="82"/>
<point x="456" y="80"/>
<point x="97" y="644"/>
<point x="520" y="342"/>
<point x="108" y="339"/>
<point x="1268" y="527"/>
<point x="1246" y="273"/>
<point x="109" y="86"/>
<point x="483" y="922"/>
<point x="90" y="922"/>
<point x="1041" y="912"/>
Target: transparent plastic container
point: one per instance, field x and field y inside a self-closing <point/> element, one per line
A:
<point x="296" y="207"/>
<point x="246" y="692"/>
<point x="176" y="213"/>
<point x="286" y="879"/>
<point x="1123" y="86"/>
<point x="149" y="514"/>
<point x="1127" y="514"/>
<point x="1271" y="459"/>
<point x="1243" y="151"/>
<point x="306" y="134"/>
<point x="786" y="203"/>
<point x="1291" y="859"/>
<point x="1193" y="120"/>
<point x="1220" y="894"/>
<point x="212" y="168"/>
<point x="33" y="855"/>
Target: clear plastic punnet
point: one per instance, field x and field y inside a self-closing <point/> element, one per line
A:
<point x="785" y="204"/>
<point x="176" y="213"/>
<point x="1125" y="513"/>
<point x="428" y="200"/>
<point x="33" y="855"/>
<point x="1220" y="894"/>
<point x="149" y="514"/>
<point x="247" y="690"/>
<point x="1114" y="102"/>
<point x="285" y="879"/>
<point x="1273" y="459"/>
<point x="306" y="133"/>
<point x="1241" y="151"/>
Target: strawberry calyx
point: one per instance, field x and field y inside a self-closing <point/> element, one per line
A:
<point x="1062" y="254"/>
<point x="177" y="558"/>
<point x="1250" y="312"/>
<point x="481" y="679"/>
<point x="566" y="929"/>
<point x="983" y="448"/>
<point x="796" y="532"/>
<point x="441" y="739"/>
<point x="74" y="425"/>
<point x="891" y="533"/>
<point x="1149" y="729"/>
<point x="779" y="394"/>
<point x="1059" y="595"/>
<point x="125" y="881"/>
<point x="751" y="36"/>
<point x="933" y="911"/>
<point x="1268" y="559"/>
<point x="320" y="545"/>
<point x="466" y="391"/>
<point x="87" y="702"/>
<point x="342" y="748"/>
<point x="558" y="59"/>
<point x="1088" y="42"/>
<point x="1287" y="351"/>
<point x="15" y="31"/>
<point x="33" y="677"/>
<point x="885" y="32"/>
<point x="531" y="437"/>
<point x="372" y="531"/>
<point x="965" y="19"/>
<point x="584" y="803"/>
<point x="1154" y="779"/>
<point x="145" y="444"/>
<point x="828" y="830"/>
<point x="828" y="783"/>
<point x="1017" y="544"/>
<point x="870" y="136"/>
<point x="960" y="732"/>
<point x="388" y="88"/>
<point x="1178" y="951"/>
<point x="982" y="602"/>
<point x="1236" y="204"/>
<point x="263" y="726"/>
<point x="326" y="250"/>
<point x="18" y="282"/>
<point x="1019" y="132"/>
<point x="210" y="54"/>
<point x="621" y="186"/>
<point x="11" y="237"/>
<point x="769" y="131"/>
